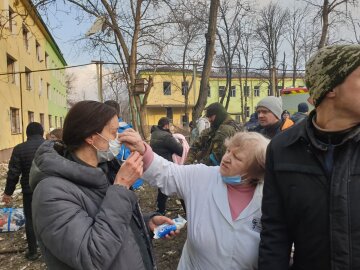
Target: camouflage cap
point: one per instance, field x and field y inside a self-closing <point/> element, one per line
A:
<point x="329" y="67"/>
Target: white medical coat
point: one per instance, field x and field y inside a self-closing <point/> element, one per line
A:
<point x="214" y="240"/>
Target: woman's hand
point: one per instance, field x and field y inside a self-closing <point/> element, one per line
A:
<point x="159" y="220"/>
<point x="132" y="140"/>
<point x="130" y="170"/>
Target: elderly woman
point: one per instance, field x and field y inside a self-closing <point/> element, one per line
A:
<point x="223" y="203"/>
<point x="82" y="218"/>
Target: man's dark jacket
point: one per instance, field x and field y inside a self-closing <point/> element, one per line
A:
<point x="20" y="164"/>
<point x="298" y="117"/>
<point x="164" y="144"/>
<point x="320" y="214"/>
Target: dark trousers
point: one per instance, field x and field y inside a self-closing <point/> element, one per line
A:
<point x="161" y="202"/>
<point x="30" y="234"/>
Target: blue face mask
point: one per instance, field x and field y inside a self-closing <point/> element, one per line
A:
<point x="232" y="180"/>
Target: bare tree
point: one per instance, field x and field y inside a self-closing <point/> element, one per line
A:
<point x="70" y="79"/>
<point x="355" y="25"/>
<point x="119" y="30"/>
<point x="309" y="39"/>
<point x="271" y="28"/>
<point x="228" y="33"/>
<point x="245" y="51"/>
<point x="210" y="37"/>
<point x="326" y="8"/>
<point x="293" y="36"/>
<point x="115" y="89"/>
<point x="189" y="26"/>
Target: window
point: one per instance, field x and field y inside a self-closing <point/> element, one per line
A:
<point x="15" y="121"/>
<point x="11" y="22"/>
<point x="167" y="88"/>
<point x="61" y="122"/>
<point x="233" y="91"/>
<point x="246" y="90"/>
<point x="38" y="51"/>
<point x="257" y="91"/>
<point x="279" y="88"/>
<point x="11" y="69"/>
<point x="184" y="87"/>
<point x="247" y="111"/>
<point x="50" y="121"/>
<point x="209" y="91"/>
<point x="42" y="120"/>
<point x="48" y="91"/>
<point x="25" y="34"/>
<point x="221" y="91"/>
<point x="237" y="118"/>
<point x="28" y="78"/>
<point x="55" y="124"/>
<point x="269" y="90"/>
<point x="40" y="87"/>
<point x="30" y="117"/>
<point x="46" y="60"/>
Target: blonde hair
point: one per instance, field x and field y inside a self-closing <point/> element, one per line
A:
<point x="57" y="132"/>
<point x="256" y="144"/>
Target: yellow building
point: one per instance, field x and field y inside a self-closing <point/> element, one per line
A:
<point x="26" y="93"/>
<point x="167" y="97"/>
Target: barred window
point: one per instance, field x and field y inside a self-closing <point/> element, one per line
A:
<point x="15" y="120"/>
<point x="167" y="88"/>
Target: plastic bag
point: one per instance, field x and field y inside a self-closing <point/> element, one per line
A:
<point x="164" y="229"/>
<point x="11" y="219"/>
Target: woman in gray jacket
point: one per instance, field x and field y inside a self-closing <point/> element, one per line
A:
<point x="83" y="219"/>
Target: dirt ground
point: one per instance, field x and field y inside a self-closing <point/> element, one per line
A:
<point x="13" y="244"/>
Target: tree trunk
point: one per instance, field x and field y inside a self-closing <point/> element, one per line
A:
<point x="209" y="55"/>
<point x="188" y="88"/>
<point x="294" y="70"/>
<point x="139" y="125"/>
<point x="325" y="25"/>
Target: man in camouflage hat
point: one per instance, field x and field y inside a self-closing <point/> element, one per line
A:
<point x="312" y="181"/>
<point x="209" y="147"/>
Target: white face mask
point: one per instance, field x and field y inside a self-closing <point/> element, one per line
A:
<point x="114" y="147"/>
<point x="103" y="156"/>
<point x="110" y="153"/>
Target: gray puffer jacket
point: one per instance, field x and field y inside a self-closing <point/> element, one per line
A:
<point x="81" y="220"/>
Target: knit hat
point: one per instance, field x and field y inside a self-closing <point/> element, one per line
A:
<point x="329" y="67"/>
<point x="303" y="107"/>
<point x="274" y="104"/>
<point x="218" y="110"/>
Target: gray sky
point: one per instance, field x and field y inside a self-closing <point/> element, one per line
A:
<point x="67" y="31"/>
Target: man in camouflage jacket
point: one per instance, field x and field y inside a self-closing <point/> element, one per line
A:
<point x="209" y="147"/>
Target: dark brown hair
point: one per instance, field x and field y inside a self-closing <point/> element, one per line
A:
<point x="163" y="121"/>
<point x="84" y="119"/>
<point x="115" y="105"/>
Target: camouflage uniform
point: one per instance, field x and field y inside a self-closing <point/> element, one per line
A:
<point x="209" y="147"/>
<point x="329" y="67"/>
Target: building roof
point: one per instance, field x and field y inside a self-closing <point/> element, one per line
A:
<point x="261" y="73"/>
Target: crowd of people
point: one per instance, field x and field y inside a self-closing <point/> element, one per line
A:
<point x="278" y="193"/>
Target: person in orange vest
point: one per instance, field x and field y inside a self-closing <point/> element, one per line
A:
<point x="269" y="111"/>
